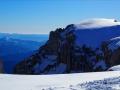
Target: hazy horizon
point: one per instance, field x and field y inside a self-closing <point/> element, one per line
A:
<point x="41" y="17"/>
<point x="24" y="33"/>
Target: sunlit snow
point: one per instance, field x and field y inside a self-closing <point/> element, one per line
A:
<point x="97" y="23"/>
<point x="57" y="82"/>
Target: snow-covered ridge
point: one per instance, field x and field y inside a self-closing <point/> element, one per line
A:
<point x="92" y="32"/>
<point x="97" y="23"/>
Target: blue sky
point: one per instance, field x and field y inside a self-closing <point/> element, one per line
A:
<point x="42" y="16"/>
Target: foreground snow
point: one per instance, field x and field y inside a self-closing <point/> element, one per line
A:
<point x="114" y="68"/>
<point x="57" y="82"/>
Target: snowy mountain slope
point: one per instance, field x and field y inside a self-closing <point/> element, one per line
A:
<point x="84" y="47"/>
<point x="114" y="68"/>
<point x="114" y="43"/>
<point x="94" y="31"/>
<point x="58" y="82"/>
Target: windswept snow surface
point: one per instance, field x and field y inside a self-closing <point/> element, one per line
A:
<point x="114" y="68"/>
<point x="60" y="81"/>
<point x="97" y="23"/>
<point x="114" y="43"/>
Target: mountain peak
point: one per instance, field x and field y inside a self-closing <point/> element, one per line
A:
<point x="97" y="23"/>
<point x="76" y="48"/>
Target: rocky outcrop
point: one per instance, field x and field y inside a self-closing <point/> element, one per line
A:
<point x="1" y="67"/>
<point x="70" y="50"/>
<point x="115" y="58"/>
<point x="51" y="48"/>
<point x="61" y="50"/>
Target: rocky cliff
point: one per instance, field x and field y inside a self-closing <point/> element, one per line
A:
<point x="76" y="48"/>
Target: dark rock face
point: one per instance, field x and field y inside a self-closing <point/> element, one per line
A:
<point x="1" y="67"/>
<point x="112" y="57"/>
<point x="115" y="58"/>
<point x="51" y="48"/>
<point x="61" y="55"/>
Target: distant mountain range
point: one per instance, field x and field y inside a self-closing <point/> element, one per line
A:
<point x="31" y="37"/>
<point x="90" y="46"/>
<point x="17" y="47"/>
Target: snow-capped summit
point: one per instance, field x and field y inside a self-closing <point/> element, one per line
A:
<point x="97" y="23"/>
<point x="94" y="31"/>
